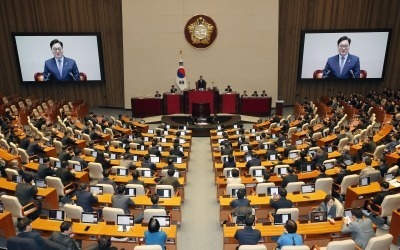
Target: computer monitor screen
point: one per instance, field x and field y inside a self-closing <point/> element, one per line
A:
<point x="41" y="160"/>
<point x="258" y="172"/>
<point x="122" y="172"/>
<point x="273" y="136"/>
<point x="219" y="132"/>
<point x="150" y="131"/>
<point x="130" y="137"/>
<point x="318" y="216"/>
<point x="146" y="173"/>
<point x="365" y="181"/>
<point x="57" y="164"/>
<point x="228" y="173"/>
<point x="177" y="160"/>
<point x="56" y="215"/>
<point x="17" y="178"/>
<point x="235" y="126"/>
<point x="235" y="190"/>
<point x="356" y="140"/>
<point x="125" y="220"/>
<point x="79" y="136"/>
<point x="258" y="137"/>
<point x="329" y="165"/>
<point x="130" y="192"/>
<point x="89" y="218"/>
<point x="165" y="221"/>
<point x="283" y="171"/>
<point x="96" y="189"/>
<point x="248" y="158"/>
<point x="348" y="162"/>
<point x="280" y="219"/>
<point x="271" y="191"/>
<point x="244" y="148"/>
<point x="113" y="156"/>
<point x="145" y="139"/>
<point x="389" y="176"/>
<point x="40" y="183"/>
<point x="282" y="144"/>
<point x="94" y="153"/>
<point x="182" y="128"/>
<point x="267" y="146"/>
<point x="164" y="139"/>
<point x="167" y="126"/>
<point x="308" y="167"/>
<point x="220" y="140"/>
<point x="164" y="193"/>
<point x="272" y="157"/>
<point x="299" y="142"/>
<point x="252" y="130"/>
<point x="135" y="158"/>
<point x="299" y="129"/>
<point x="329" y="149"/>
<point x="311" y="153"/>
<point x="293" y="155"/>
<point x="347" y="213"/>
<point x="155" y="159"/>
<point x="78" y="168"/>
<point x="364" y="157"/>
<point x="305" y="189"/>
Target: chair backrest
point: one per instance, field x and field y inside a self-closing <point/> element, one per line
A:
<point x="107" y="188"/>
<point x="379" y="242"/>
<point x="55" y="182"/>
<point x="390" y="203"/>
<point x="317" y="135"/>
<point x="87" y="139"/>
<point x="71" y="163"/>
<point x="349" y="180"/>
<point x="291" y="131"/>
<point x="139" y="188"/>
<point x="393" y="169"/>
<point x="341" y="245"/>
<point x="375" y="175"/>
<point x="95" y="170"/>
<point x="88" y="151"/>
<point x="294" y="212"/>
<point x="330" y="161"/>
<point x="225" y="171"/>
<point x="324" y="184"/>
<point x="148" y="213"/>
<point x="58" y="145"/>
<point x="166" y="187"/>
<point x="230" y="187"/>
<point x="12" y="205"/>
<point x="73" y="211"/>
<point x="339" y="208"/>
<point x="24" y="155"/>
<point x="10" y="172"/>
<point x="114" y="169"/>
<point x="294" y="186"/>
<point x="379" y="152"/>
<point x="148" y="247"/>
<point x="302" y="247"/>
<point x="19" y="243"/>
<point x="343" y="142"/>
<point x="277" y="167"/>
<point x="110" y="213"/>
<point x="244" y="147"/>
<point x="251" y="170"/>
<point x="261" y="188"/>
<point x="252" y="247"/>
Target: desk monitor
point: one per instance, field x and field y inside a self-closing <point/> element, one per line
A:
<point x="318" y="216"/>
<point x="150" y="131"/>
<point x="271" y="191"/>
<point x="155" y="159"/>
<point x="124" y="126"/>
<point x="130" y="137"/>
<point x="280" y="219"/>
<point x="219" y="132"/>
<point x="125" y="220"/>
<point x="181" y="141"/>
<point x="364" y="157"/>
<point x="167" y="126"/>
<point x="273" y="136"/>
<point x="1" y="207"/>
<point x="311" y="153"/>
<point x="272" y="157"/>
<point x="181" y="149"/>
<point x="235" y="126"/>
<point x="258" y="172"/>
<point x="324" y="134"/>
<point x="329" y="149"/>
<point x="267" y="146"/>
<point x="94" y="154"/>
<point x="237" y="132"/>
<point x="79" y="136"/>
<point x="299" y="142"/>
<point x="183" y="133"/>
<point x="258" y="137"/>
<point x="164" y="193"/>
<point x="293" y="155"/>
<point x="329" y="165"/>
<point x="299" y="129"/>
<point x="247" y="158"/>
<point x="40" y="160"/>
<point x="219" y="127"/>
<point x="141" y="148"/>
<point x="130" y="192"/>
<point x="113" y="156"/>
<point x="308" y="167"/>
<point x="244" y="148"/>
<point x="309" y="188"/>
<point x="176" y="174"/>
<point x="235" y="190"/>
<point x="122" y="172"/>
<point x="78" y="168"/>
<point x="146" y="138"/>
<point x="365" y="181"/>
<point x="96" y="189"/>
<point x="135" y="158"/>
<point x="283" y="171"/>
<point x="347" y="213"/>
<point x="240" y="220"/>
<point x="282" y="144"/>
<point x="40" y="183"/>
<point x="220" y="140"/>
<point x="57" y="164"/>
<point x="348" y="162"/>
<point x="123" y="145"/>
<point x="164" y="139"/>
<point x="146" y="173"/>
<point x="388" y="176"/>
<point x="177" y="160"/>
<point x="252" y="130"/>
<point x="165" y="221"/>
<point x="160" y="148"/>
<point x="92" y="218"/>
<point x="228" y="173"/>
<point x="57" y="215"/>
<point x="356" y="140"/>
<point x="16" y="178"/>
<point x="181" y="128"/>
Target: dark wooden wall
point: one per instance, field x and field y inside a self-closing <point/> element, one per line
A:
<point x="104" y="16"/>
<point x="297" y="15"/>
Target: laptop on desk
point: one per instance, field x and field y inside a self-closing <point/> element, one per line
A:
<point x="165" y="221"/>
<point x="96" y="189"/>
<point x="164" y="193"/>
<point x="92" y="218"/>
<point x="280" y="219"/>
<point x="56" y="215"/>
<point x="318" y="216"/>
<point x="271" y="191"/>
<point x="309" y="188"/>
<point x="122" y="172"/>
<point x="40" y="183"/>
<point x="365" y="181"/>
<point x="124" y="222"/>
<point x="16" y="178"/>
<point x="131" y="192"/>
<point x="308" y="167"/>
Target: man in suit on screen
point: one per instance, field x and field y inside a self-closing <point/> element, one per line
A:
<point x="342" y="65"/>
<point x="60" y="68"/>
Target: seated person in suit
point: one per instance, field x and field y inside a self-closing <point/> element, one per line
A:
<point x="122" y="201"/>
<point x="300" y="161"/>
<point x="25" y="231"/>
<point x="255" y="94"/>
<point x="157" y="94"/>
<point x="201" y="84"/>
<point x="60" y="68"/>
<point x="288" y="148"/>
<point x="328" y="206"/>
<point x="226" y="150"/>
<point x="264" y="94"/>
<point x="44" y="169"/>
<point x="241" y="200"/>
<point x="343" y="172"/>
<point x="322" y="174"/>
<point x="148" y="164"/>
<point x="254" y="161"/>
<point x="378" y="198"/>
<point x="34" y="148"/>
<point x="230" y="163"/>
<point x="235" y="179"/>
<point x="242" y="140"/>
<point x="77" y="157"/>
<point x="170" y="164"/>
<point x="280" y="201"/>
<point x="320" y="156"/>
<point x="65" y="174"/>
<point x="135" y="178"/>
<point x="85" y="198"/>
<point x="228" y="89"/>
<point x="170" y="180"/>
<point x="271" y="151"/>
<point x="68" y="139"/>
<point x="248" y="235"/>
<point x="360" y="228"/>
<point x="290" y="177"/>
<point x="153" y="149"/>
<point x="364" y="172"/>
<point x="64" y="237"/>
<point x="65" y="154"/>
<point x="244" y="94"/>
<point x="173" y="89"/>
<point x="106" y="179"/>
<point x="176" y="151"/>
<point x="25" y="193"/>
<point x="290" y="237"/>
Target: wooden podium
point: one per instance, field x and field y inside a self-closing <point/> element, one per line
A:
<point x="173" y="103"/>
<point x="279" y="107"/>
<point x="206" y="96"/>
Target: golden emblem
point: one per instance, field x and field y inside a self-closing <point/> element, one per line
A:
<point x="200" y="31"/>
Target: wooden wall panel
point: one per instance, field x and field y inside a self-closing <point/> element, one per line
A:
<point x="298" y="15"/>
<point x="104" y="16"/>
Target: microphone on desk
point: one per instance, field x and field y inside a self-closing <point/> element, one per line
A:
<point x="47" y="77"/>
<point x="327" y="73"/>
<point x="351" y="72"/>
<point x="70" y="73"/>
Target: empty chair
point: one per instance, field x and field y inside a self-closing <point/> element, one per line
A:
<point x="109" y="131"/>
<point x="73" y="211"/>
<point x="393" y="169"/>
<point x="12" y="205"/>
<point x="148" y="247"/>
<point x="95" y="170"/>
<point x="88" y="151"/>
<point x="324" y="184"/>
<point x="225" y="171"/>
<point x="56" y="183"/>
<point x="338" y="245"/>
<point x="252" y="247"/>
<point x="149" y="213"/>
<point x="277" y="167"/>
<point x="58" y="145"/>
<point x="294" y="212"/>
<point x="330" y="161"/>
<point x="291" y="131"/>
<point x="380" y="242"/>
<point x="261" y="188"/>
<point x="231" y="187"/>
<point x="71" y="163"/>
<point x="339" y="208"/>
<point x="379" y="152"/>
<point x="116" y="143"/>
<point x="253" y="169"/>
<point x="110" y="213"/>
<point x="317" y="135"/>
<point x="87" y="139"/>
<point x="349" y="180"/>
<point x="114" y="169"/>
<point x="138" y="187"/>
<point x="10" y="172"/>
<point x="294" y="186"/>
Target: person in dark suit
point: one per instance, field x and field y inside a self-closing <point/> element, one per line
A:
<point x="64" y="237"/>
<point x="104" y="243"/>
<point x="328" y="206"/>
<point x="343" y="172"/>
<point x="241" y="200"/>
<point x="34" y="148"/>
<point x="65" y="174"/>
<point x="153" y="150"/>
<point x="378" y="198"/>
<point x="135" y="178"/>
<point x="107" y="180"/>
<point x="121" y="201"/>
<point x="254" y="161"/>
<point x="226" y="150"/>
<point x="25" y="193"/>
<point x="77" y="157"/>
<point x="44" y="169"/>
<point x="25" y="231"/>
<point x="280" y="201"/>
<point x="170" y="164"/>
<point x="302" y="160"/>
<point x="173" y="89"/>
<point x="24" y="143"/>
<point x="230" y="163"/>
<point x="170" y="179"/>
<point x="148" y="164"/>
<point x="290" y="177"/>
<point x="342" y="65"/>
<point x="85" y="198"/>
<point x="60" y="68"/>
<point x="287" y="149"/>
<point x="320" y="156"/>
<point x="176" y="151"/>
<point x="322" y="174"/>
<point x="360" y="228"/>
<point x="65" y="154"/>
<point x="248" y="235"/>
<point x="67" y="140"/>
<point x="201" y="84"/>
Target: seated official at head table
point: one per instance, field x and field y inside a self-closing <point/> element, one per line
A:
<point x="201" y="84"/>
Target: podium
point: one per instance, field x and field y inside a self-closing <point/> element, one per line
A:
<point x="173" y="103"/>
<point x="256" y="106"/>
<point x="279" y="107"/>
<point x="206" y="96"/>
<point x="229" y="103"/>
<point x="201" y="110"/>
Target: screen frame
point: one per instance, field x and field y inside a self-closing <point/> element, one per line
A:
<point x="55" y="35"/>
